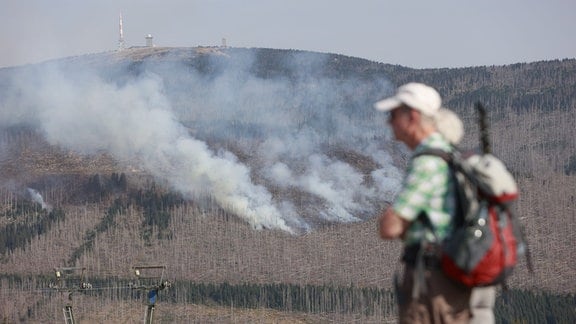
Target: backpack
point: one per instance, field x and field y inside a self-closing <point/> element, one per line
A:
<point x="487" y="240"/>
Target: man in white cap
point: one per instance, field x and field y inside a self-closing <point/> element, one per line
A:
<point x="426" y="295"/>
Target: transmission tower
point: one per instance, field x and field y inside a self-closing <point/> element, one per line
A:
<point x="151" y="279"/>
<point x="70" y="280"/>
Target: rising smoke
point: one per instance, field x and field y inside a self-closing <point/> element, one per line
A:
<point x="281" y="149"/>
<point x="36" y="197"/>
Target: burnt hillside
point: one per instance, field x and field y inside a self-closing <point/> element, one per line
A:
<point x="252" y="166"/>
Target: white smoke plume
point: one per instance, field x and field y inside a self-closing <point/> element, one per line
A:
<point x="36" y="197"/>
<point x="163" y="119"/>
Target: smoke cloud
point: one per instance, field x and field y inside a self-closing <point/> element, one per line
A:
<point x="281" y="151"/>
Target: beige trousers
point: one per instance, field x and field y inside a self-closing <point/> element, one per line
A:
<point x="441" y="300"/>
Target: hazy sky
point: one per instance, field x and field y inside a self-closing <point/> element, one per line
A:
<point x="419" y="34"/>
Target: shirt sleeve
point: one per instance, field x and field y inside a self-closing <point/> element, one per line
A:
<point x="424" y="186"/>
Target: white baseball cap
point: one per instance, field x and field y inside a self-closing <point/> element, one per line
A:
<point x="415" y="95"/>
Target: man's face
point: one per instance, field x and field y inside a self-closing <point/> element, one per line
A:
<point x="400" y="121"/>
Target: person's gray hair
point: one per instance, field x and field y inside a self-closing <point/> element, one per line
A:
<point x="449" y="125"/>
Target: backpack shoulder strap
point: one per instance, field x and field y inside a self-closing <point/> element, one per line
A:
<point x="456" y="162"/>
<point x="453" y="160"/>
<point x="447" y="156"/>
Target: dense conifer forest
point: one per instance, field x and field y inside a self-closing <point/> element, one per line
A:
<point x="73" y="202"/>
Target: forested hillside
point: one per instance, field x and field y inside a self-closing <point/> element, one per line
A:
<point x="253" y="177"/>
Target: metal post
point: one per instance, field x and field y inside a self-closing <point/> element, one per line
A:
<point x="69" y="281"/>
<point x="68" y="315"/>
<point x="152" y="279"/>
<point x="149" y="315"/>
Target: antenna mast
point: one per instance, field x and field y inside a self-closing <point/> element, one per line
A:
<point x="121" y="44"/>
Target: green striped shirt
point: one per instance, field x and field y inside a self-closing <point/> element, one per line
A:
<point x="427" y="188"/>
